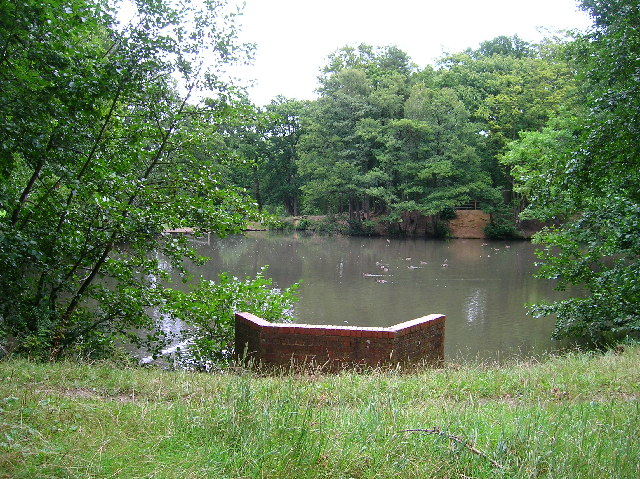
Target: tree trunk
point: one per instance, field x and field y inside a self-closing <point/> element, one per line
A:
<point x="366" y="206"/>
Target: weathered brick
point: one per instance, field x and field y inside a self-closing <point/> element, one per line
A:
<point x="421" y="339"/>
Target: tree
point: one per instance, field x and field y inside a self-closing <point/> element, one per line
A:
<point x="502" y="45"/>
<point x="333" y="156"/>
<point x="537" y="160"/>
<point x="280" y="174"/>
<point x="508" y="86"/>
<point x="434" y="156"/>
<point x="362" y="89"/>
<point x="242" y="137"/>
<point x="596" y="182"/>
<point x="98" y="125"/>
<point x="261" y="146"/>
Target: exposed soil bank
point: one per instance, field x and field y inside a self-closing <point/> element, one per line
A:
<point x="469" y="224"/>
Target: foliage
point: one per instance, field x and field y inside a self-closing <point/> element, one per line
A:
<point x="281" y="179"/>
<point x="101" y="128"/>
<point x="501" y="228"/>
<point x="358" y="227"/>
<point x="209" y="312"/>
<point x="538" y="161"/>
<point x="508" y="86"/>
<point x="277" y="222"/>
<point x="361" y="90"/>
<point x="433" y="153"/>
<point x="586" y="172"/>
<point x="328" y="225"/>
<point x="385" y="139"/>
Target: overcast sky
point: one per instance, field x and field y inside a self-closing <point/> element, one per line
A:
<point x="294" y="37"/>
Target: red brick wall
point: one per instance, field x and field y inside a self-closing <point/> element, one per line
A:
<point x="336" y="347"/>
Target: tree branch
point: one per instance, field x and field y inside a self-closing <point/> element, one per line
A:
<point x="25" y="193"/>
<point x="459" y="440"/>
<point x="92" y="153"/>
<point x="58" y="339"/>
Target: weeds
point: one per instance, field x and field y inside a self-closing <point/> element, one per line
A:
<point x="572" y="416"/>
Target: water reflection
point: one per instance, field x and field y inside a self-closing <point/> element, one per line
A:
<point x="480" y="286"/>
<point x="476" y="305"/>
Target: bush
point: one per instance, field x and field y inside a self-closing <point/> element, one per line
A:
<point x="330" y="225"/>
<point x="277" y="223"/>
<point x="304" y="224"/>
<point x="499" y="231"/>
<point x="441" y="230"/>
<point x="361" y="227"/>
<point x="501" y="228"/>
<point x="448" y="214"/>
<point x="209" y="314"/>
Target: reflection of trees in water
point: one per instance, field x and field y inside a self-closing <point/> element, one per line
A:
<point x="170" y="326"/>
<point x="475" y="305"/>
<point x="482" y="291"/>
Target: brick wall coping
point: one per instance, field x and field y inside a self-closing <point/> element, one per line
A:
<point x="354" y="331"/>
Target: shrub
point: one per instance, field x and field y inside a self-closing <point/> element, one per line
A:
<point x="501" y="229"/>
<point x="361" y="227"/>
<point x="209" y="314"/>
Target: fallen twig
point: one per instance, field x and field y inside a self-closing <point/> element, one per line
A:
<point x="459" y="440"/>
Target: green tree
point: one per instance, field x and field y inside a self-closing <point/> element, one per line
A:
<point x="280" y="175"/>
<point x="595" y="184"/>
<point x="508" y="86"/>
<point x="537" y="160"/>
<point x="242" y="137"/>
<point x="333" y="156"/>
<point x="503" y="45"/>
<point x="433" y="150"/>
<point x="261" y="146"/>
<point x="362" y="89"/>
<point x="98" y="127"/>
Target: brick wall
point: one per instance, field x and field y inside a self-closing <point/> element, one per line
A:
<point x="336" y="347"/>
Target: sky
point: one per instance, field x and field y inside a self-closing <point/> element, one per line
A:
<point x="295" y="37"/>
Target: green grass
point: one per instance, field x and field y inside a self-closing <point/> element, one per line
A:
<point x="571" y="416"/>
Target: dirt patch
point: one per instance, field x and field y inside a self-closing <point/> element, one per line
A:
<point x="469" y="224"/>
<point x="81" y="393"/>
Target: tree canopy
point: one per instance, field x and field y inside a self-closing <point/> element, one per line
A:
<point x="583" y="172"/>
<point x="114" y="131"/>
<point x="101" y="148"/>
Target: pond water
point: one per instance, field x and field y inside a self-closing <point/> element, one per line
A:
<point x="481" y="286"/>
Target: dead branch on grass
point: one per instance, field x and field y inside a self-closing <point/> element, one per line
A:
<point x="459" y="440"/>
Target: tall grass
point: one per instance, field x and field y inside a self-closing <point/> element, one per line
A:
<point x="571" y="416"/>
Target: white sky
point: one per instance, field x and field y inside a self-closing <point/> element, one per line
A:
<point x="294" y="37"/>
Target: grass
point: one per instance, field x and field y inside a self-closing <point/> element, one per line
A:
<point x="572" y="416"/>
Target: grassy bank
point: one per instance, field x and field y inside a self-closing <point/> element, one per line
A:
<point x="574" y="416"/>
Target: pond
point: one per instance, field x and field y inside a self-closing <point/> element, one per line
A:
<point x="481" y="286"/>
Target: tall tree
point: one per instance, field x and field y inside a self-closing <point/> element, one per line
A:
<point x="361" y="89"/>
<point x="508" y="86"/>
<point x="280" y="174"/>
<point x="436" y="165"/>
<point x="97" y="130"/>
<point x="596" y="182"/>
